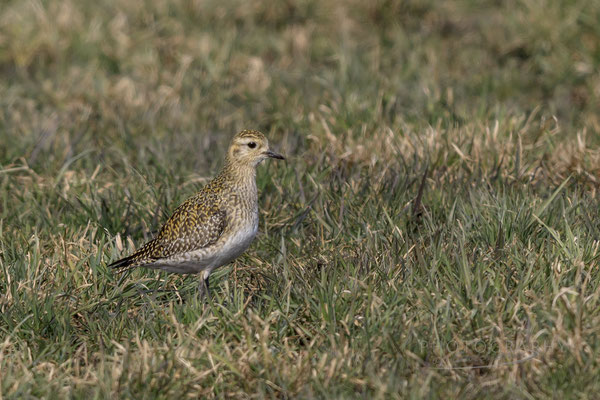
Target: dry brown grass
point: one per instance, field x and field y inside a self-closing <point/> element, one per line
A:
<point x="112" y="113"/>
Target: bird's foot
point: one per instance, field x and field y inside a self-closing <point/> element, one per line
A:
<point x="203" y="289"/>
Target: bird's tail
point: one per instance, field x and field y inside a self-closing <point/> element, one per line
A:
<point x="123" y="262"/>
<point x="143" y="256"/>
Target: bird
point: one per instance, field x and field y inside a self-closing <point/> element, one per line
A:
<point x="217" y="224"/>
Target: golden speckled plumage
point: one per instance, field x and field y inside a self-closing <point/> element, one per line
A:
<point x="218" y="223"/>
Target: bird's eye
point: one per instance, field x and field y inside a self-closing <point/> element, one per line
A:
<point x="252" y="145"/>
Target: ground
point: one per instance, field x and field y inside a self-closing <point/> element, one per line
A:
<point x="434" y="233"/>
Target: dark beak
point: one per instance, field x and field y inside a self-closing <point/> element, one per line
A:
<point x="274" y="155"/>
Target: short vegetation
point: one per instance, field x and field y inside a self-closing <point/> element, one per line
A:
<point x="434" y="233"/>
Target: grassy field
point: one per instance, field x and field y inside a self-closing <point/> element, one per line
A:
<point x="435" y="232"/>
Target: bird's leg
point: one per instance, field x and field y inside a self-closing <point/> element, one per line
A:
<point x="203" y="289"/>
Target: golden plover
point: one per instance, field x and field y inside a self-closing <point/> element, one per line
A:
<point x="216" y="225"/>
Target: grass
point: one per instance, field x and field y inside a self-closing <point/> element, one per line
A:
<point x="434" y="233"/>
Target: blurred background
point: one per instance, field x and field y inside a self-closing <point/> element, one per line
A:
<point x="178" y="78"/>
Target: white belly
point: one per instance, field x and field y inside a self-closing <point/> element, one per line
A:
<point x="209" y="258"/>
<point x="237" y="244"/>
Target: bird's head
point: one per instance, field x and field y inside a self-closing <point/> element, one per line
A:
<point x="250" y="148"/>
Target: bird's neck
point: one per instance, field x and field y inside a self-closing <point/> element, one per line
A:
<point x="239" y="181"/>
<point x="239" y="173"/>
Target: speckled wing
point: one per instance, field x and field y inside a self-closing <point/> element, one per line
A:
<point x="197" y="223"/>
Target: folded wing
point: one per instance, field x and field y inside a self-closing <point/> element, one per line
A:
<point x="199" y="222"/>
